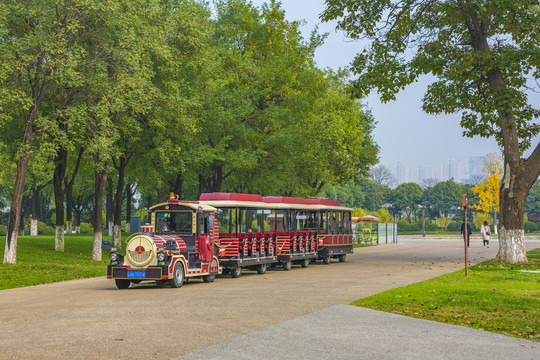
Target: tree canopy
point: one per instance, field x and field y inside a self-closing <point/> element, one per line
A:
<point x="162" y="95"/>
<point x="483" y="57"/>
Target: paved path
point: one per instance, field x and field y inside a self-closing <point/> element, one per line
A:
<point x="91" y="319"/>
<point x="351" y="332"/>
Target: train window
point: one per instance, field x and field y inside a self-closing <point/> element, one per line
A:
<point x="241" y="220"/>
<point x="263" y="219"/>
<point x="306" y="220"/>
<point x="173" y="222"/>
<point x="323" y="222"/>
<point x="227" y="220"/>
<point x="280" y="224"/>
<point x="331" y="221"/>
<point x="311" y="223"/>
<point x="249" y="221"/>
<point x="203" y="225"/>
<point x="301" y="220"/>
<point x="291" y="220"/>
<point x="347" y="221"/>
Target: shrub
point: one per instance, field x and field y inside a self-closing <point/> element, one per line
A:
<point x="531" y="226"/>
<point x="454" y="226"/>
<point x="86" y="228"/>
<point x="44" y="229"/>
<point x="416" y="226"/>
<point x="403" y="225"/>
<point x="3" y="230"/>
<point x="432" y="226"/>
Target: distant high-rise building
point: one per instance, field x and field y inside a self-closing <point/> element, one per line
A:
<point x="476" y="166"/>
<point x="402" y="173"/>
<point x="424" y="173"/>
<point x="452" y="169"/>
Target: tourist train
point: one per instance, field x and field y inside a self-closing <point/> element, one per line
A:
<point x="230" y="233"/>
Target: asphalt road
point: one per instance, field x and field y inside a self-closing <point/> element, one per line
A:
<point x="91" y="319"/>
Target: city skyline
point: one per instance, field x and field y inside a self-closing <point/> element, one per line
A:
<point x="462" y="171"/>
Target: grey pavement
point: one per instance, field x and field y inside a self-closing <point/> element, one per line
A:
<point x="351" y="332"/>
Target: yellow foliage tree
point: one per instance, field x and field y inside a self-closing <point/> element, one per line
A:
<point x="488" y="191"/>
<point x="384" y="216"/>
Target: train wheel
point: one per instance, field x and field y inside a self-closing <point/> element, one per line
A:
<point x="122" y="284"/>
<point x="326" y="260"/>
<point x="178" y="275"/>
<point x="236" y="272"/>
<point x="209" y="278"/>
<point x="287" y="265"/>
<point x="342" y="257"/>
<point x="305" y="263"/>
<point x="261" y="269"/>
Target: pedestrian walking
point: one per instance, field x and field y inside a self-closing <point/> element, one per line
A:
<point x="469" y="230"/>
<point x="485" y="230"/>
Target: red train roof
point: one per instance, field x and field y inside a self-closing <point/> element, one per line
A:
<point x="219" y="196"/>
<point x="327" y="202"/>
<point x="284" y="199"/>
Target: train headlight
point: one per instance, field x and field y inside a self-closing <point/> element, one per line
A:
<point x="114" y="256"/>
<point x="161" y="256"/>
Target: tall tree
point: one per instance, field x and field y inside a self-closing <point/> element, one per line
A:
<point x="40" y="52"/>
<point x="481" y="54"/>
<point x="407" y="197"/>
<point x="442" y="198"/>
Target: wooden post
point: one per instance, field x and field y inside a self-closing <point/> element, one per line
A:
<point x="423" y="223"/>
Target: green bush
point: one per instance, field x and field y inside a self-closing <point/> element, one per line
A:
<point x="86" y="228"/>
<point x="531" y="226"/>
<point x="44" y="229"/>
<point x="454" y="226"/>
<point x="432" y="226"/>
<point x="3" y="230"/>
<point x="403" y="225"/>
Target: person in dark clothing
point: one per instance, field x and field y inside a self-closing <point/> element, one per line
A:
<point x="468" y="232"/>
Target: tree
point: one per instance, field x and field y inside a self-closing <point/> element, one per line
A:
<point x="273" y="122"/>
<point x="40" y="52"/>
<point x="481" y="54"/>
<point x="488" y="191"/>
<point x="382" y="175"/>
<point x="407" y="197"/>
<point x="443" y="197"/>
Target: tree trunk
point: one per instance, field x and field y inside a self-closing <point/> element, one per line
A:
<point x="99" y="189"/>
<point x="58" y="179"/>
<point x="177" y="185"/>
<point x="128" y="207"/>
<point x="118" y="200"/>
<point x="160" y="195"/>
<point x="513" y="193"/>
<point x="10" y="252"/>
<point x="109" y="205"/>
<point x="69" y="207"/>
<point x="35" y="201"/>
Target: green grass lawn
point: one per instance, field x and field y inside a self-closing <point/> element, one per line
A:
<point x="496" y="297"/>
<point x="38" y="263"/>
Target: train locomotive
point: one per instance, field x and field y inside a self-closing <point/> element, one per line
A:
<point x="231" y="233"/>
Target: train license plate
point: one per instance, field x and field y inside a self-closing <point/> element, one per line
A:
<point x="136" y="274"/>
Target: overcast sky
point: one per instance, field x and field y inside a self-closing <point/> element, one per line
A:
<point x="404" y="132"/>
